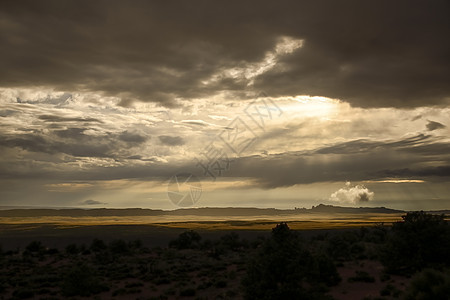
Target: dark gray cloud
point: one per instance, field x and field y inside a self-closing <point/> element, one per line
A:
<point x="418" y="157"/>
<point x="171" y="140"/>
<point x="92" y="202"/>
<point x="73" y="141"/>
<point x="413" y="144"/>
<point x="139" y="157"/>
<point x="370" y="53"/>
<point x="7" y="112"/>
<point x="268" y="171"/>
<point x="132" y="138"/>
<point x="415" y="157"/>
<point x="53" y="118"/>
<point x="352" y="147"/>
<point x="30" y="142"/>
<point x="432" y="125"/>
<point x="129" y="138"/>
<point x="440" y="171"/>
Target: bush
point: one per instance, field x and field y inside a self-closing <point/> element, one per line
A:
<point x="221" y="284"/>
<point x="72" y="249"/>
<point x="35" y="246"/>
<point x="97" y="245"/>
<point x="429" y="284"/>
<point x="323" y="271"/>
<point x="231" y="241"/>
<point x="187" y="240"/>
<point x="81" y="281"/>
<point x="52" y="251"/>
<point x="421" y="240"/>
<point x="119" y="247"/>
<point x="23" y="294"/>
<point x="376" y="234"/>
<point x="187" y="293"/>
<point x="280" y="270"/>
<point x="338" y="248"/>
<point x="390" y="290"/>
<point x="136" y="244"/>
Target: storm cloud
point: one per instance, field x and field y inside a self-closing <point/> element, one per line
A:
<point x="97" y="96"/>
<point x="370" y="54"/>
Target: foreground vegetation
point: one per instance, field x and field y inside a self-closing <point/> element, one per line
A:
<point x="412" y="255"/>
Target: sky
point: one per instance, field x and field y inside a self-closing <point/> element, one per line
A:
<point x="168" y="104"/>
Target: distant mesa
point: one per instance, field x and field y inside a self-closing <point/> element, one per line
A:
<point x="339" y="209"/>
<point x="205" y="211"/>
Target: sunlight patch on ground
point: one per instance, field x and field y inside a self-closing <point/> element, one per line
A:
<point x="315" y="221"/>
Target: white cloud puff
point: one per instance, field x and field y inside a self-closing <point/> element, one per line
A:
<point x="352" y="194"/>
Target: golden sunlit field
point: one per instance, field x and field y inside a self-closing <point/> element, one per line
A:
<point x="310" y="221"/>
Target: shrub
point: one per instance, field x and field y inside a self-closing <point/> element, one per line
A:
<point x="119" y="247"/>
<point x="35" y="246"/>
<point x="280" y="269"/>
<point x="390" y="290"/>
<point x="429" y="284"/>
<point x="72" y="249"/>
<point x="136" y="244"/>
<point x="338" y="248"/>
<point x="421" y="240"/>
<point x="221" y="284"/>
<point x="186" y="240"/>
<point x="187" y="293"/>
<point x="81" y="281"/>
<point x="376" y="234"/>
<point x="97" y="245"/>
<point x="323" y="270"/>
<point x="230" y="241"/>
<point x="23" y="294"/>
<point x="52" y="251"/>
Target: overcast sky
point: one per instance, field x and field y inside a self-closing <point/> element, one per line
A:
<point x="267" y="103"/>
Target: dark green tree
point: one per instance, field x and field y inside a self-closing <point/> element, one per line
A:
<point x="81" y="280"/>
<point x="280" y="270"/>
<point x="429" y="285"/>
<point x="421" y="240"/>
<point x="187" y="240"/>
<point x="35" y="246"/>
<point x="119" y="247"/>
<point x="98" y="245"/>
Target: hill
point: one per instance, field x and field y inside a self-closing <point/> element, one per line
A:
<point x="205" y="211"/>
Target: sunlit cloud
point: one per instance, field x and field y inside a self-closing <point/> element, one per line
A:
<point x="249" y="71"/>
<point x="396" y="181"/>
<point x="352" y="194"/>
